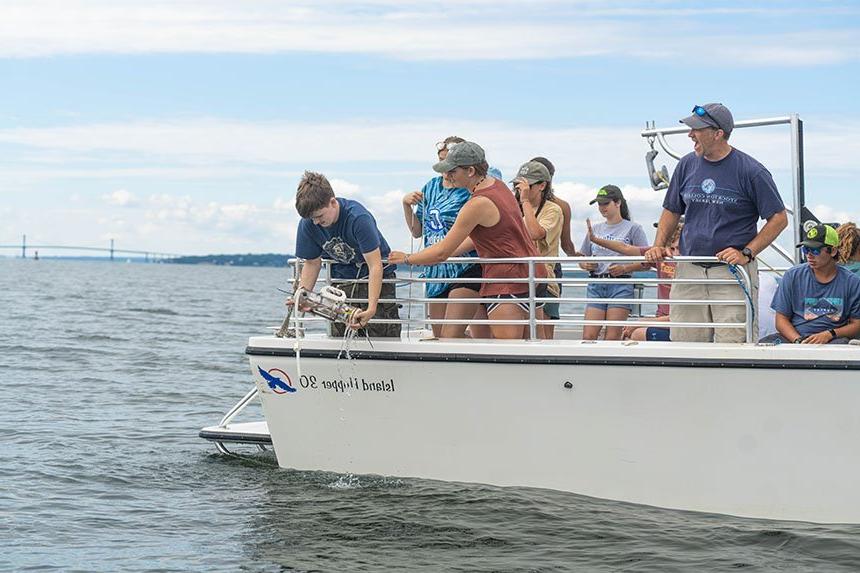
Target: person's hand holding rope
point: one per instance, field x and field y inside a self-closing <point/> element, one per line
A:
<point x="361" y="318"/>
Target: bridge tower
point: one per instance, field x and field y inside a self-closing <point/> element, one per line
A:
<point x="24" y="247"/>
<point x="111" y="250"/>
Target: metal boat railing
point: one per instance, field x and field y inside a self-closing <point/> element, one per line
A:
<point x="533" y="281"/>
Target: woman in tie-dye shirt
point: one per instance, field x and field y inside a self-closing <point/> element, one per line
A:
<point x="431" y="212"/>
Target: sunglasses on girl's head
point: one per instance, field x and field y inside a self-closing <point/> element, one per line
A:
<point x="702" y="112"/>
<point x="442" y="145"/>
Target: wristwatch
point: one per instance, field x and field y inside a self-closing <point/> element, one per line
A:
<point x="832" y="333"/>
<point x="798" y="340"/>
<point x="748" y="253"/>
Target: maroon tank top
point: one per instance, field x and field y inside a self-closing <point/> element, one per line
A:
<point x="507" y="238"/>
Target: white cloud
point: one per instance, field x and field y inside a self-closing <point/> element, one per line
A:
<point x="830" y="214"/>
<point x="198" y="219"/>
<point x="411" y="30"/>
<point x="345" y="188"/>
<point x="120" y="198"/>
<point x="217" y="149"/>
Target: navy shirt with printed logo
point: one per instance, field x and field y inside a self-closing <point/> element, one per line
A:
<point x="722" y="201"/>
<point x="815" y="307"/>
<point x="355" y="232"/>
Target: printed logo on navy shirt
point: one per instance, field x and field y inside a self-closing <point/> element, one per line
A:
<point x="708" y="186"/>
<point x="339" y="250"/>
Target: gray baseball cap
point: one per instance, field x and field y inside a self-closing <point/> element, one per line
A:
<point x="464" y="153"/>
<point x="534" y="172"/>
<point x="711" y="115"/>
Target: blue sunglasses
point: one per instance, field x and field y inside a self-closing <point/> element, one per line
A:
<point x="702" y="112"/>
<point x="810" y="251"/>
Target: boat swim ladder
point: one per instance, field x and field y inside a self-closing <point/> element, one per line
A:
<point x="234" y="411"/>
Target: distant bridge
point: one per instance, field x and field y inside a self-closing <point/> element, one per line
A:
<point x="148" y="255"/>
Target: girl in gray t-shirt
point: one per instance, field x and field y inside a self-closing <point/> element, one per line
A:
<point x="617" y="227"/>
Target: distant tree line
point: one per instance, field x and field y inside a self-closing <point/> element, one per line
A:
<point x="246" y="260"/>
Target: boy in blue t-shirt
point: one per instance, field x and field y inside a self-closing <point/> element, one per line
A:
<point x="344" y="231"/>
<point x="817" y="302"/>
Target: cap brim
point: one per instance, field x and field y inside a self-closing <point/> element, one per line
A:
<point x="696" y="122"/>
<point x="601" y="201"/>
<point x="811" y="244"/>
<point x="444" y="166"/>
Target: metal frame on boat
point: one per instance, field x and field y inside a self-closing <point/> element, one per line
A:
<point x="753" y="430"/>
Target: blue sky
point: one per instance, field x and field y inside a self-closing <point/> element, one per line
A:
<point x="184" y="126"/>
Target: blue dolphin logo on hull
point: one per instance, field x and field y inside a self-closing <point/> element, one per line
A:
<point x="275" y="383"/>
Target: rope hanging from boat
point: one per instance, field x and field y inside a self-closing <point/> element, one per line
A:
<point x="734" y="270"/>
<point x="411" y="252"/>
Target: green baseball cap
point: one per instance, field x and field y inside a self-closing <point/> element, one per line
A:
<point x="820" y="236"/>
<point x="462" y="154"/>
<point x="534" y="172"/>
<point x="606" y="194"/>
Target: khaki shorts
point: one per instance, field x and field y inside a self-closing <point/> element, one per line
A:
<point x="712" y="313"/>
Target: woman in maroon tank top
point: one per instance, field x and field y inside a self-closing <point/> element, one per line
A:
<point x="490" y="222"/>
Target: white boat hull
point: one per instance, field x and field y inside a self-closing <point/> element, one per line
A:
<point x="767" y="432"/>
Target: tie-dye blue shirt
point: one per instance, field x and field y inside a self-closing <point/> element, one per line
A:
<point x="437" y="213"/>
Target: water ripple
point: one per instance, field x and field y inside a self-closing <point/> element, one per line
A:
<point x="107" y="374"/>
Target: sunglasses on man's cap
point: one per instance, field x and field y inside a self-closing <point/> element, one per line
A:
<point x="702" y="112"/>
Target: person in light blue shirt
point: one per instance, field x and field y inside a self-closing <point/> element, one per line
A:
<point x="431" y="212"/>
<point x="817" y="302"/>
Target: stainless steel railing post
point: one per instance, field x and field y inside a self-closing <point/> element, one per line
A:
<point x="532" y="292"/>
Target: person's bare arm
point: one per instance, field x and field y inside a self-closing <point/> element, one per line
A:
<point x="785" y="328"/>
<point x="413" y="223"/>
<point x="468" y="245"/>
<point x="617" y="246"/>
<point x="310" y="273"/>
<point x="477" y="211"/>
<point x="665" y="229"/>
<point x="849" y="330"/>
<point x="535" y="231"/>
<point x="308" y="278"/>
<point x="374" y="287"/>
<point x="768" y="234"/>
<point x="566" y="241"/>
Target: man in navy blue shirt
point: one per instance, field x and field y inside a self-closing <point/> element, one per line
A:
<point x="817" y="302"/>
<point x="344" y="231"/>
<point x="722" y="193"/>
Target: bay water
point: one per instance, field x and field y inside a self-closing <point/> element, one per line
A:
<point x="109" y="370"/>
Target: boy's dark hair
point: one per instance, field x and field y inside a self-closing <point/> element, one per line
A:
<point x="314" y="193"/>
<point x="546" y="163"/>
<point x="548" y="193"/>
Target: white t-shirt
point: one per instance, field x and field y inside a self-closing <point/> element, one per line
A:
<point x="626" y="232"/>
